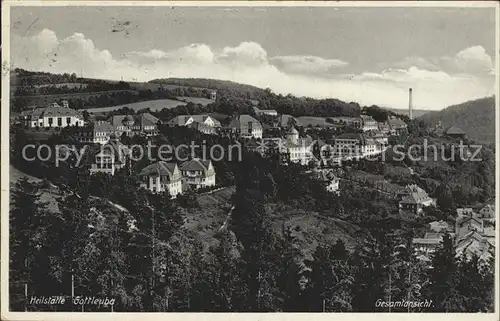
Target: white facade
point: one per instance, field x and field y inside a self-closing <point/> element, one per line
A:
<point x="333" y="186"/>
<point x="368" y="123"/>
<point x="197" y="173"/>
<point x="112" y="157"/>
<point x="52" y="116"/>
<point x="57" y="121"/>
<point x="155" y="184"/>
<point x="302" y="154"/>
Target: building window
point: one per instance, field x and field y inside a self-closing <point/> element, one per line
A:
<point x="50" y="121"/>
<point x="68" y="120"/>
<point x="59" y="121"/>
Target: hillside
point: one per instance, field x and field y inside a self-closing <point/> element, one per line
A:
<point x="476" y="118"/>
<point x="211" y="84"/>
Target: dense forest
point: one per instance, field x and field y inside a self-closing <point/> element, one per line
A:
<point x="476" y="118"/>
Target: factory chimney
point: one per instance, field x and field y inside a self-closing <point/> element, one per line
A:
<point x="410" y="105"/>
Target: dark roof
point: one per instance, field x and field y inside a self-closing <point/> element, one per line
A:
<point x="144" y="119"/>
<point x="288" y="120"/>
<point x="195" y="164"/>
<point x="99" y="126"/>
<point x="182" y="119"/>
<point x="396" y="123"/>
<point x="160" y="168"/>
<point x="357" y="136"/>
<point x="53" y="110"/>
<point x="115" y="147"/>
<point x="243" y="121"/>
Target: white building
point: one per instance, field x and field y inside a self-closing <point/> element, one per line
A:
<point x="379" y="137"/>
<point x="332" y="182"/>
<point x="203" y="123"/>
<point x="53" y="116"/>
<point x="368" y="123"/>
<point x="246" y="126"/>
<point x="355" y="146"/>
<point x="111" y="157"/>
<point x="268" y="112"/>
<point x="143" y="124"/>
<point x="96" y="132"/>
<point x="300" y="150"/>
<point x="160" y="177"/>
<point x="198" y="173"/>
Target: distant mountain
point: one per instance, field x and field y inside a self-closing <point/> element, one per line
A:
<point x="476" y="118"/>
<point x="416" y="112"/>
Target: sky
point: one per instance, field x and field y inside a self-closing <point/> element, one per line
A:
<point x="367" y="55"/>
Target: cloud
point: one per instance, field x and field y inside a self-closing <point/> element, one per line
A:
<point x="307" y="64"/>
<point x="472" y="60"/>
<point x="437" y="82"/>
<point x="248" y="54"/>
<point x="192" y="54"/>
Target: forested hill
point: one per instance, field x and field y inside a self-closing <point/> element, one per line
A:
<point x="475" y="117"/>
<point x="242" y="89"/>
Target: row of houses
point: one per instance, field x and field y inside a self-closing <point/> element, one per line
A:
<point x="245" y="126"/>
<point x="158" y="177"/>
<point x="393" y="125"/>
<point x="473" y="234"/>
<point x="303" y="150"/>
<point x="57" y="116"/>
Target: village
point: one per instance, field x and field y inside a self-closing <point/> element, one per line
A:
<point x="282" y="136"/>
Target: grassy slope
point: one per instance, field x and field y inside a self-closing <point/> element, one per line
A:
<point x="310" y="228"/>
<point x="154" y="105"/>
<point x="476" y="118"/>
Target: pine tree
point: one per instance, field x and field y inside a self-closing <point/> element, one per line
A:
<point x="443" y="278"/>
<point x="27" y="242"/>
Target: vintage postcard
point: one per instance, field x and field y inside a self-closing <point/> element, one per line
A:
<point x="199" y="160"/>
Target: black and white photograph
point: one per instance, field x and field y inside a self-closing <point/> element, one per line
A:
<point x="231" y="157"/>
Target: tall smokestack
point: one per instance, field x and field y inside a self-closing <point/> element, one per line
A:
<point x="410" y="105"/>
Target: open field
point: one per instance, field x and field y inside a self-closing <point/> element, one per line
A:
<point x="73" y="95"/>
<point x="196" y="100"/>
<point x="314" y="121"/>
<point x="154" y="105"/>
<point x="70" y="85"/>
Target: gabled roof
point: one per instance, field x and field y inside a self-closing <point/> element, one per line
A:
<point x="244" y="121"/>
<point x="99" y="126"/>
<point x="144" y="119"/>
<point x="375" y="133"/>
<point x="116" y="148"/>
<point x="366" y="118"/>
<point x="396" y="123"/>
<point x="353" y="136"/>
<point x="181" y="120"/>
<point x="288" y="120"/>
<point x="160" y="168"/>
<point x="464" y="219"/>
<point x="53" y="110"/>
<point x="196" y="164"/>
